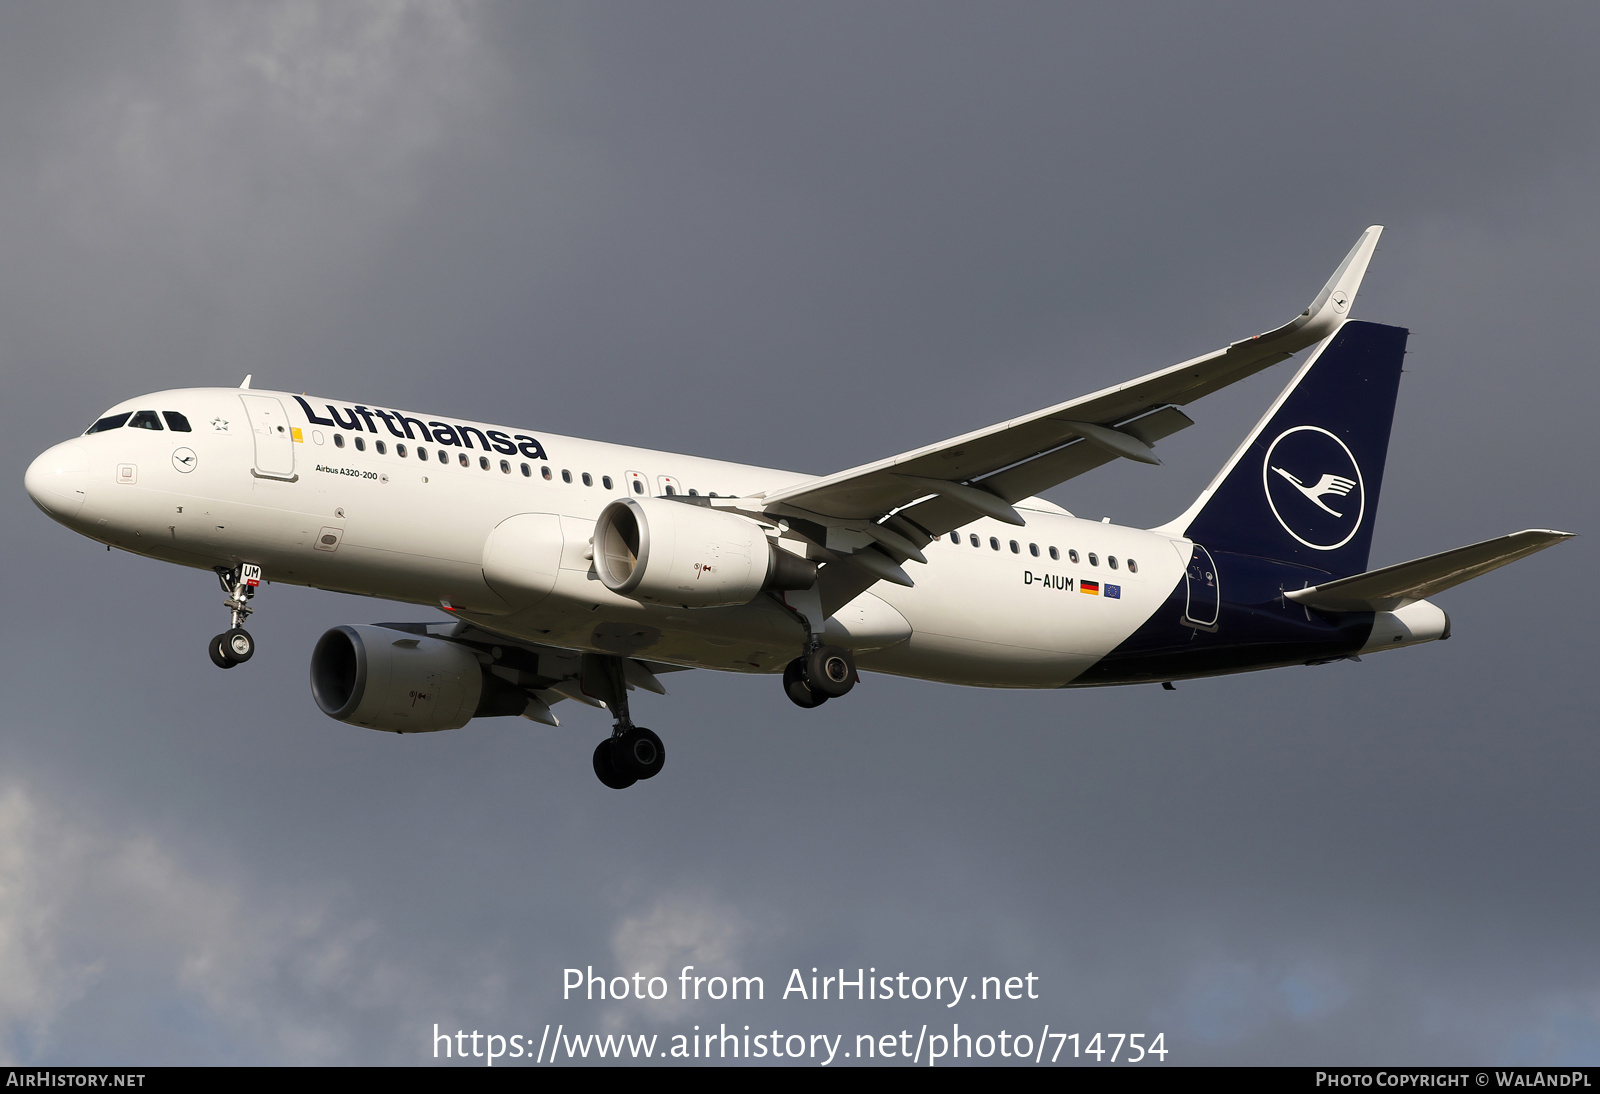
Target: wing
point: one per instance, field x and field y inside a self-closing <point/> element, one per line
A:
<point x="1014" y="459"/>
<point x="545" y="675"/>
<point x="880" y="514"/>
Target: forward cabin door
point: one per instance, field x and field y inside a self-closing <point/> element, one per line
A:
<point x="1205" y="599"/>
<point x="274" y="436"/>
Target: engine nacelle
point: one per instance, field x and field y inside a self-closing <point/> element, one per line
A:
<point x="672" y="552"/>
<point x="401" y="682"/>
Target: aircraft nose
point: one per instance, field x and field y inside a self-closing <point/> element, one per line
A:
<point x="56" y="481"/>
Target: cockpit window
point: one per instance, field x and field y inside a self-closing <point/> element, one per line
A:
<point x="145" y="419"/>
<point x="176" y="422"/>
<point x="112" y="421"/>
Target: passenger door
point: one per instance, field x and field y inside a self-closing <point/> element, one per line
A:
<point x="269" y="423"/>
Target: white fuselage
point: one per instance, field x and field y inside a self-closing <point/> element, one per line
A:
<point x="262" y="477"/>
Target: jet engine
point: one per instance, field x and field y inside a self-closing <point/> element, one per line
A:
<point x="401" y="682"/>
<point x="676" y="552"/>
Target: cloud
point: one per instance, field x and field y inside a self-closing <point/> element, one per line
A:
<point x="675" y="931"/>
<point x="1226" y="1001"/>
<point x="259" y="103"/>
<point x="93" y="919"/>
<point x="255" y="155"/>
<point x="35" y="983"/>
<point x="1562" y="1032"/>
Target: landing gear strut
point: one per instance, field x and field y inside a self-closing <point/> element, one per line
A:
<point x="234" y="646"/>
<point x="631" y="752"/>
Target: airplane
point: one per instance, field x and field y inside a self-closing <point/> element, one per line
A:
<point x="578" y="570"/>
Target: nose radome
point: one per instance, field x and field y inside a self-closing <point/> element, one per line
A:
<point x="56" y="480"/>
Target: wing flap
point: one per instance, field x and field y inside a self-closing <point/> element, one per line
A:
<point x="1393" y="587"/>
<point x="940" y="515"/>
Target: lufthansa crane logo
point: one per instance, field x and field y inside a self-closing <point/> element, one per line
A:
<point x="1314" y="487"/>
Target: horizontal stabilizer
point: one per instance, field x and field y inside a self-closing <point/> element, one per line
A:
<point x="1406" y="582"/>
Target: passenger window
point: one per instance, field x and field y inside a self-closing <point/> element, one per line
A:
<point x="605" y="481"/>
<point x="1033" y="549"/>
<point x="1094" y="559"/>
<point x="444" y="457"/>
<point x="461" y="457"/>
<point x="566" y="476"/>
<point x="1072" y="556"/>
<point x="114" y="421"/>
<point x="1055" y="554"/>
<point x="638" y="487"/>
<point x="693" y="492"/>
<point x="955" y="537"/>
<point x="483" y="463"/>
<point x="671" y="492"/>
<point x="383" y="449"/>
<point x="505" y="467"/>
<point x="1133" y="567"/>
<point x="974" y="537"/>
<point x="545" y="473"/>
<point x="361" y="444"/>
<point x="994" y="543"/>
<point x="527" y="472"/>
<point x="588" y="479"/>
<point x="1111" y="560"/>
<point x="338" y="440"/>
<point x="1015" y="549"/>
<point x="176" y="422"/>
<point x="145" y="419"/>
<point x="400" y="450"/>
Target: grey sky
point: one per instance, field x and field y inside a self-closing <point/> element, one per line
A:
<point x="806" y="236"/>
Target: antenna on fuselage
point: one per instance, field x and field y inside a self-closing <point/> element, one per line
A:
<point x="246" y="381"/>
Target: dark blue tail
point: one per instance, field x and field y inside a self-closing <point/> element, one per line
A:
<point x="1304" y="487"/>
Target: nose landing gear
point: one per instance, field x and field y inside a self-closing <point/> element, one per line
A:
<point x="235" y="646"/>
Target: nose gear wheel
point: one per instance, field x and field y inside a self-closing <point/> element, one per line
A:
<point x="235" y="646"/>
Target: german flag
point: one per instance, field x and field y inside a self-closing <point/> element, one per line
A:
<point x="1090" y="587"/>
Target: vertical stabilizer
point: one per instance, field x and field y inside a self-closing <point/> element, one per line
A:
<point x="1304" y="487"/>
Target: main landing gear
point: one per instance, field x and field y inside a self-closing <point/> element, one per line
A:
<point x="631" y="752"/>
<point x="820" y="674"/>
<point x="234" y="646"/>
